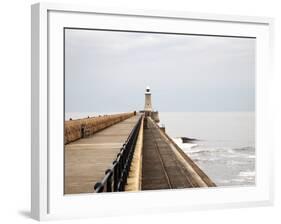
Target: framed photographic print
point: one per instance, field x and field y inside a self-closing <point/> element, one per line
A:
<point x="161" y="111"/>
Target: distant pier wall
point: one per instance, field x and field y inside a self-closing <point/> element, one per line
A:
<point x="153" y="114"/>
<point x="80" y="128"/>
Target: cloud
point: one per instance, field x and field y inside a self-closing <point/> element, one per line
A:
<point x="108" y="71"/>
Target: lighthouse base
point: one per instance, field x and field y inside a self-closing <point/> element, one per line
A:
<point x="153" y="114"/>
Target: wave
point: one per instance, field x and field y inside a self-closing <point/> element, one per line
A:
<point x="247" y="174"/>
<point x="199" y="148"/>
<point x="245" y="148"/>
<point x="184" y="146"/>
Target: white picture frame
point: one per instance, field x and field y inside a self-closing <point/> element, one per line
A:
<point x="48" y="201"/>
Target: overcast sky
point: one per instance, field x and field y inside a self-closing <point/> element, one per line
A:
<point x="108" y="71"/>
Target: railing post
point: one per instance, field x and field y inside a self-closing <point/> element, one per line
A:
<point x="109" y="180"/>
<point x="115" y="175"/>
<point x="98" y="187"/>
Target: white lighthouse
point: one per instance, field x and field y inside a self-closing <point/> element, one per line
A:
<point x="148" y="106"/>
<point x="147" y="103"/>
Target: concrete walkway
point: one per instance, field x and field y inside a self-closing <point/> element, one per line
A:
<point x="161" y="169"/>
<point x="162" y="166"/>
<point x="87" y="159"/>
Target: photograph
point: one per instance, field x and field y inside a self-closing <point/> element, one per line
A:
<point x="157" y="111"/>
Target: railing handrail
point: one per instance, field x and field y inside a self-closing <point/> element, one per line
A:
<point x="116" y="177"/>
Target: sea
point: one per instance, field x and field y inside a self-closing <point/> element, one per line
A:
<point x="223" y="144"/>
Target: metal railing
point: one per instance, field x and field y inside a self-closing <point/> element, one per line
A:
<point x="115" y="178"/>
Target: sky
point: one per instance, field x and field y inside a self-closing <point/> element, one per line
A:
<point x="108" y="71"/>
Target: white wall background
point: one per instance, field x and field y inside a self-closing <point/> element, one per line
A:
<point x="15" y="110"/>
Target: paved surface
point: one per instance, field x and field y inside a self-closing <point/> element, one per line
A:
<point x="161" y="169"/>
<point x="87" y="159"/>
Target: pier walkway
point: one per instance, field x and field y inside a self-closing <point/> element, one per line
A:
<point x="87" y="158"/>
<point x="163" y="164"/>
<point x="161" y="169"/>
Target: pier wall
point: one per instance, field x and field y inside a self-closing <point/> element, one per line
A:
<point x="134" y="178"/>
<point x="76" y="129"/>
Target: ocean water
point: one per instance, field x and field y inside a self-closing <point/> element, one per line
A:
<point x="225" y="143"/>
